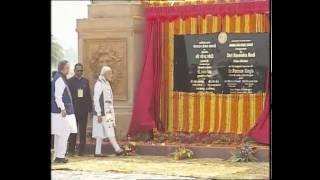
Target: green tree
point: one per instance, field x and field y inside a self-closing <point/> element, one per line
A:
<point x="56" y="53"/>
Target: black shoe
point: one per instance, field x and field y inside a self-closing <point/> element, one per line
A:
<point x="61" y="160"/>
<point x="100" y="155"/>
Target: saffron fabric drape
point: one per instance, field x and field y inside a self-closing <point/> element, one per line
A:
<point x="168" y="113"/>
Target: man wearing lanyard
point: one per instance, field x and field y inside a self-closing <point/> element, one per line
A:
<point x="81" y="96"/>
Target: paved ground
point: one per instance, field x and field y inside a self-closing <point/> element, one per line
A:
<point x="156" y="167"/>
<point x="79" y="175"/>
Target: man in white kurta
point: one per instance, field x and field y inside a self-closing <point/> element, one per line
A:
<point x="63" y="121"/>
<point x="104" y="118"/>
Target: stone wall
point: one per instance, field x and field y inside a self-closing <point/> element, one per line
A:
<point x="113" y="35"/>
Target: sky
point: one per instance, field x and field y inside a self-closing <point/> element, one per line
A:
<point x="63" y="21"/>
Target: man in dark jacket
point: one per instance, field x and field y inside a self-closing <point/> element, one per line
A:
<point x="81" y="96"/>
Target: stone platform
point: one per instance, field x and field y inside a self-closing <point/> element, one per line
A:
<point x="216" y="151"/>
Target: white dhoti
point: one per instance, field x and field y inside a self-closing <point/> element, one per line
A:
<point x="103" y="130"/>
<point x="61" y="127"/>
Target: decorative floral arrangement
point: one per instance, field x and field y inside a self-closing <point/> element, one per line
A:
<point x="182" y="153"/>
<point x="244" y="153"/>
<point x="129" y="149"/>
<point x="196" y="138"/>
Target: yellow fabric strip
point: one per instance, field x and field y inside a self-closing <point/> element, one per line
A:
<point x="202" y="112"/>
<point x="237" y="24"/>
<point x="180" y="125"/>
<point x="252" y="109"/>
<point x="180" y="26"/>
<point x="259" y="23"/>
<point x="215" y="24"/>
<point x="183" y="26"/>
<point x="227" y="23"/>
<point x="191" y="103"/>
<point x="228" y="114"/>
<point x="240" y="114"/>
<point x="212" y="111"/>
<point x="220" y="113"/>
<point x="247" y="23"/>
<point x="204" y="25"/>
<point x="193" y="25"/>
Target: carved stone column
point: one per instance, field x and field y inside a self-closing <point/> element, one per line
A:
<point x="113" y="35"/>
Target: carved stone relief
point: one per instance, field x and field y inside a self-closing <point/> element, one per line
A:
<point x="110" y="52"/>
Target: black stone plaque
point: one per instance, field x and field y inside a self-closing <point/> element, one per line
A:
<point x="221" y="62"/>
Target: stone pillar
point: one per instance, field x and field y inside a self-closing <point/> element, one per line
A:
<point x="113" y="35"/>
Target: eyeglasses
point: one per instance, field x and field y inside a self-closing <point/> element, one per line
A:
<point x="79" y="70"/>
